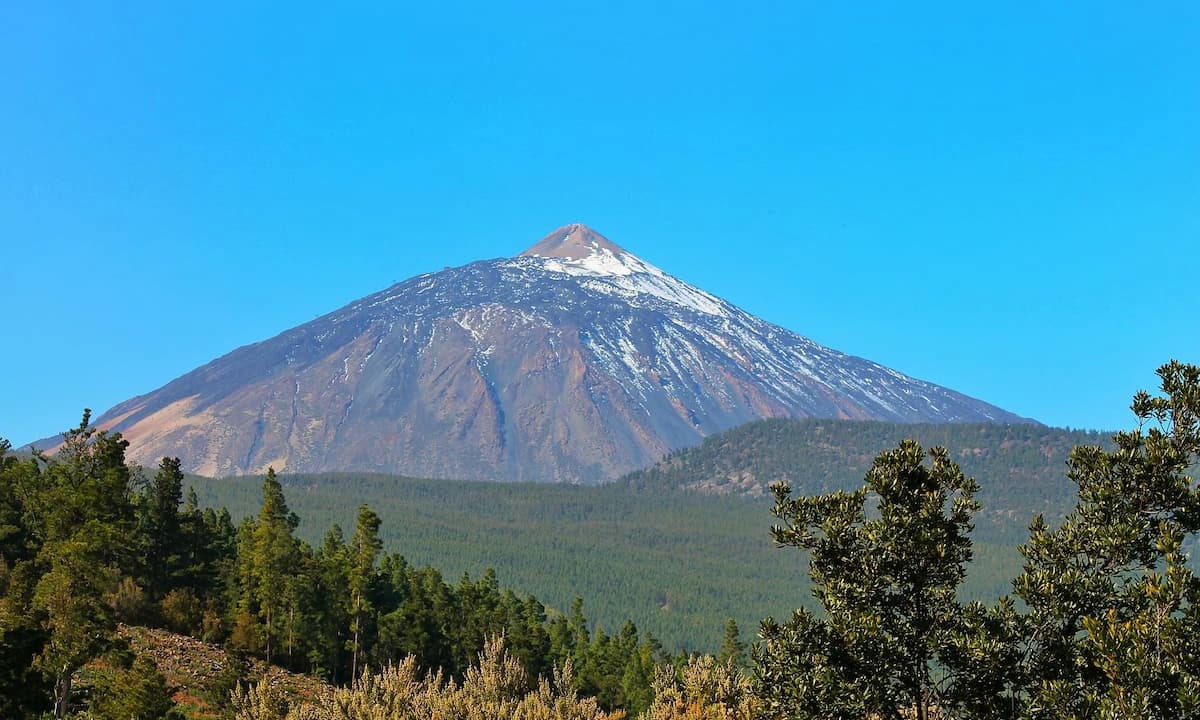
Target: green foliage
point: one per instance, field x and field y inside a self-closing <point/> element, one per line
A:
<point x="886" y="562"/>
<point x="138" y="692"/>
<point x="83" y="550"/>
<point x="733" y="650"/>
<point x="677" y="563"/>
<point x="161" y="530"/>
<point x="1103" y="623"/>
<point x="77" y="539"/>
<point x="1111" y="627"/>
<point x="24" y="690"/>
<point x="642" y="558"/>
<point x="80" y="514"/>
<point x="364" y="550"/>
<point x="344" y="607"/>
<point x="269" y="555"/>
<point x="1108" y="616"/>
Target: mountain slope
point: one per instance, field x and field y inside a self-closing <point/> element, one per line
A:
<point x="575" y="361"/>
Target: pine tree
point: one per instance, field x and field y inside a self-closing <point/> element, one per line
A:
<point x="733" y="650"/>
<point x="364" y="549"/>
<point x="161" y="531"/>
<point x="273" y="557"/>
<point x="24" y="690"/>
<point x="333" y="567"/>
<point x="83" y="516"/>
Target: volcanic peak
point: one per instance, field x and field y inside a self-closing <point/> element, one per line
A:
<point x="576" y="249"/>
<point x="577" y="362"/>
<point x="574" y="242"/>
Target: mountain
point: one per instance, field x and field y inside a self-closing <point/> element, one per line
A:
<point x="574" y="361"/>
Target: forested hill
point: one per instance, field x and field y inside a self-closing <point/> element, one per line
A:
<point x="1021" y="468"/>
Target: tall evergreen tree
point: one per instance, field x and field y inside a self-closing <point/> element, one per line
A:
<point x="23" y="689"/>
<point x="79" y="515"/>
<point x="733" y="650"/>
<point x="364" y="549"/>
<point x="162" y="536"/>
<point x="273" y="557"/>
<point x="333" y="567"/>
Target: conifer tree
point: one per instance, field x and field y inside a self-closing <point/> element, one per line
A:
<point x="733" y="650"/>
<point x="273" y="557"/>
<point x="364" y="548"/>
<point x="83" y="517"/>
<point x="23" y="689"/>
<point x="161" y="529"/>
<point x="332" y="565"/>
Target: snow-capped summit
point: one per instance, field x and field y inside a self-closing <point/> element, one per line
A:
<point x="577" y="249"/>
<point x="574" y="361"/>
<point x="574" y="242"/>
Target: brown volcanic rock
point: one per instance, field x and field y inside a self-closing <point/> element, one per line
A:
<point x="575" y="361"/>
<point x="573" y="242"/>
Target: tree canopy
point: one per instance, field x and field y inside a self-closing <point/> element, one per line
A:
<point x="1102" y="621"/>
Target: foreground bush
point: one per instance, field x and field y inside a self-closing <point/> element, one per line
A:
<point x="498" y="688"/>
<point x="704" y="689"/>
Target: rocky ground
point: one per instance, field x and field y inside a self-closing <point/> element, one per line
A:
<point x="201" y="675"/>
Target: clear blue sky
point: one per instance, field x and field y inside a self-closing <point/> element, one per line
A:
<point x="1004" y="200"/>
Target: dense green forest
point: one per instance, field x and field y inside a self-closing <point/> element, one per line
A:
<point x="90" y="542"/>
<point x="679" y="548"/>
<point x="1101" y="619"/>
<point x="677" y="563"/>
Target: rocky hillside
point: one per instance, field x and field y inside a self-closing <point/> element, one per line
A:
<point x="201" y="676"/>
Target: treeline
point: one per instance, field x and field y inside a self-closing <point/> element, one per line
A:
<point x="87" y="543"/>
